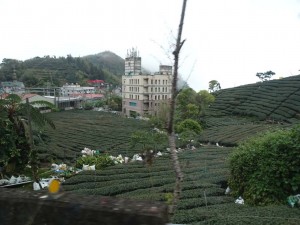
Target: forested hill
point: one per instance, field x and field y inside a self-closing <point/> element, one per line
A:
<point x="50" y="70"/>
<point x="107" y="61"/>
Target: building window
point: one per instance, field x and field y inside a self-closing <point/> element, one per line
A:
<point x="158" y="81"/>
<point x="124" y="81"/>
<point x="132" y="103"/>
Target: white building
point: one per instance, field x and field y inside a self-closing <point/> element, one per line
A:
<point x="73" y="89"/>
<point x="144" y="93"/>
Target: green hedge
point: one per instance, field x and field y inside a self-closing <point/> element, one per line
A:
<point x="265" y="170"/>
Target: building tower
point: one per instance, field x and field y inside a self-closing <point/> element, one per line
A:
<point x="14" y="75"/>
<point x="133" y="63"/>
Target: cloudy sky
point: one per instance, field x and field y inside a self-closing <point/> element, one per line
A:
<point x="226" y="40"/>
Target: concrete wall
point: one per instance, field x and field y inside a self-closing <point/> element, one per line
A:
<point x="18" y="207"/>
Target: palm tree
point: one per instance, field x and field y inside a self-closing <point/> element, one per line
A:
<point x="17" y="144"/>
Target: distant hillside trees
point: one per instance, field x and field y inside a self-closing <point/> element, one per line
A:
<point x="265" y="76"/>
<point x="52" y="71"/>
<point x="214" y="85"/>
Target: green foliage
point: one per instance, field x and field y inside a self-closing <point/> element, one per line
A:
<point x="185" y="137"/>
<point x="100" y="161"/>
<point x="146" y="140"/>
<point x="15" y="141"/>
<point x="185" y="97"/>
<point x="265" y="170"/>
<point x="169" y="198"/>
<point x="114" y="102"/>
<point x="53" y="71"/>
<point x="192" y="112"/>
<point x="188" y="125"/>
<point x="99" y="103"/>
<point x="265" y="76"/>
<point x="204" y="100"/>
<point x="190" y="104"/>
<point x="214" y="85"/>
<point x="88" y="105"/>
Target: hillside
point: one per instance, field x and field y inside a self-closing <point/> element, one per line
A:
<point x="243" y="111"/>
<point x="232" y="118"/>
<point x="108" y="61"/>
<point x="53" y="71"/>
<point x="96" y="130"/>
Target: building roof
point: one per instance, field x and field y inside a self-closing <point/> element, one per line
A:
<point x="95" y="81"/>
<point x="24" y="96"/>
<point x="12" y="84"/>
<point x="90" y="96"/>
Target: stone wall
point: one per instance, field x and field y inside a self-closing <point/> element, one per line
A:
<point x="18" y="207"/>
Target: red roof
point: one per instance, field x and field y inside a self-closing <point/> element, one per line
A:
<point x="24" y="96"/>
<point x="95" y="81"/>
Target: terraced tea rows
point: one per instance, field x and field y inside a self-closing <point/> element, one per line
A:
<point x="241" y="112"/>
<point x="97" y="130"/>
<point x="275" y="99"/>
<point x="205" y="171"/>
<point x="230" y="130"/>
<point x="203" y="197"/>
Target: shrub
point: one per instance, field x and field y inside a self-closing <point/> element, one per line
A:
<point x="265" y="170"/>
<point x="189" y="125"/>
<point x="100" y="161"/>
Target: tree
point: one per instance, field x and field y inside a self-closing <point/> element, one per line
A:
<point x="161" y="119"/>
<point x="214" y="85"/>
<point x="115" y="102"/>
<point x="192" y="112"/>
<point x="170" y="129"/>
<point x="15" y="120"/>
<point x="266" y="75"/>
<point x="184" y="97"/>
<point x="149" y="143"/>
<point x="185" y="102"/>
<point x="204" y="99"/>
<point x="189" y="125"/>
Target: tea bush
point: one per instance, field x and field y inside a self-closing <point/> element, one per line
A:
<point x="265" y="170"/>
<point x="100" y="161"/>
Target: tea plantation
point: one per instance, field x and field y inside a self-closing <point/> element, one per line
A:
<point x="237" y="114"/>
<point x="241" y="112"/>
<point x="96" y="130"/>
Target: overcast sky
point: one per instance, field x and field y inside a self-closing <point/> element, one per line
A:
<point x="226" y="40"/>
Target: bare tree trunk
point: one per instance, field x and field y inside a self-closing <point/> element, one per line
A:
<point x="171" y="133"/>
